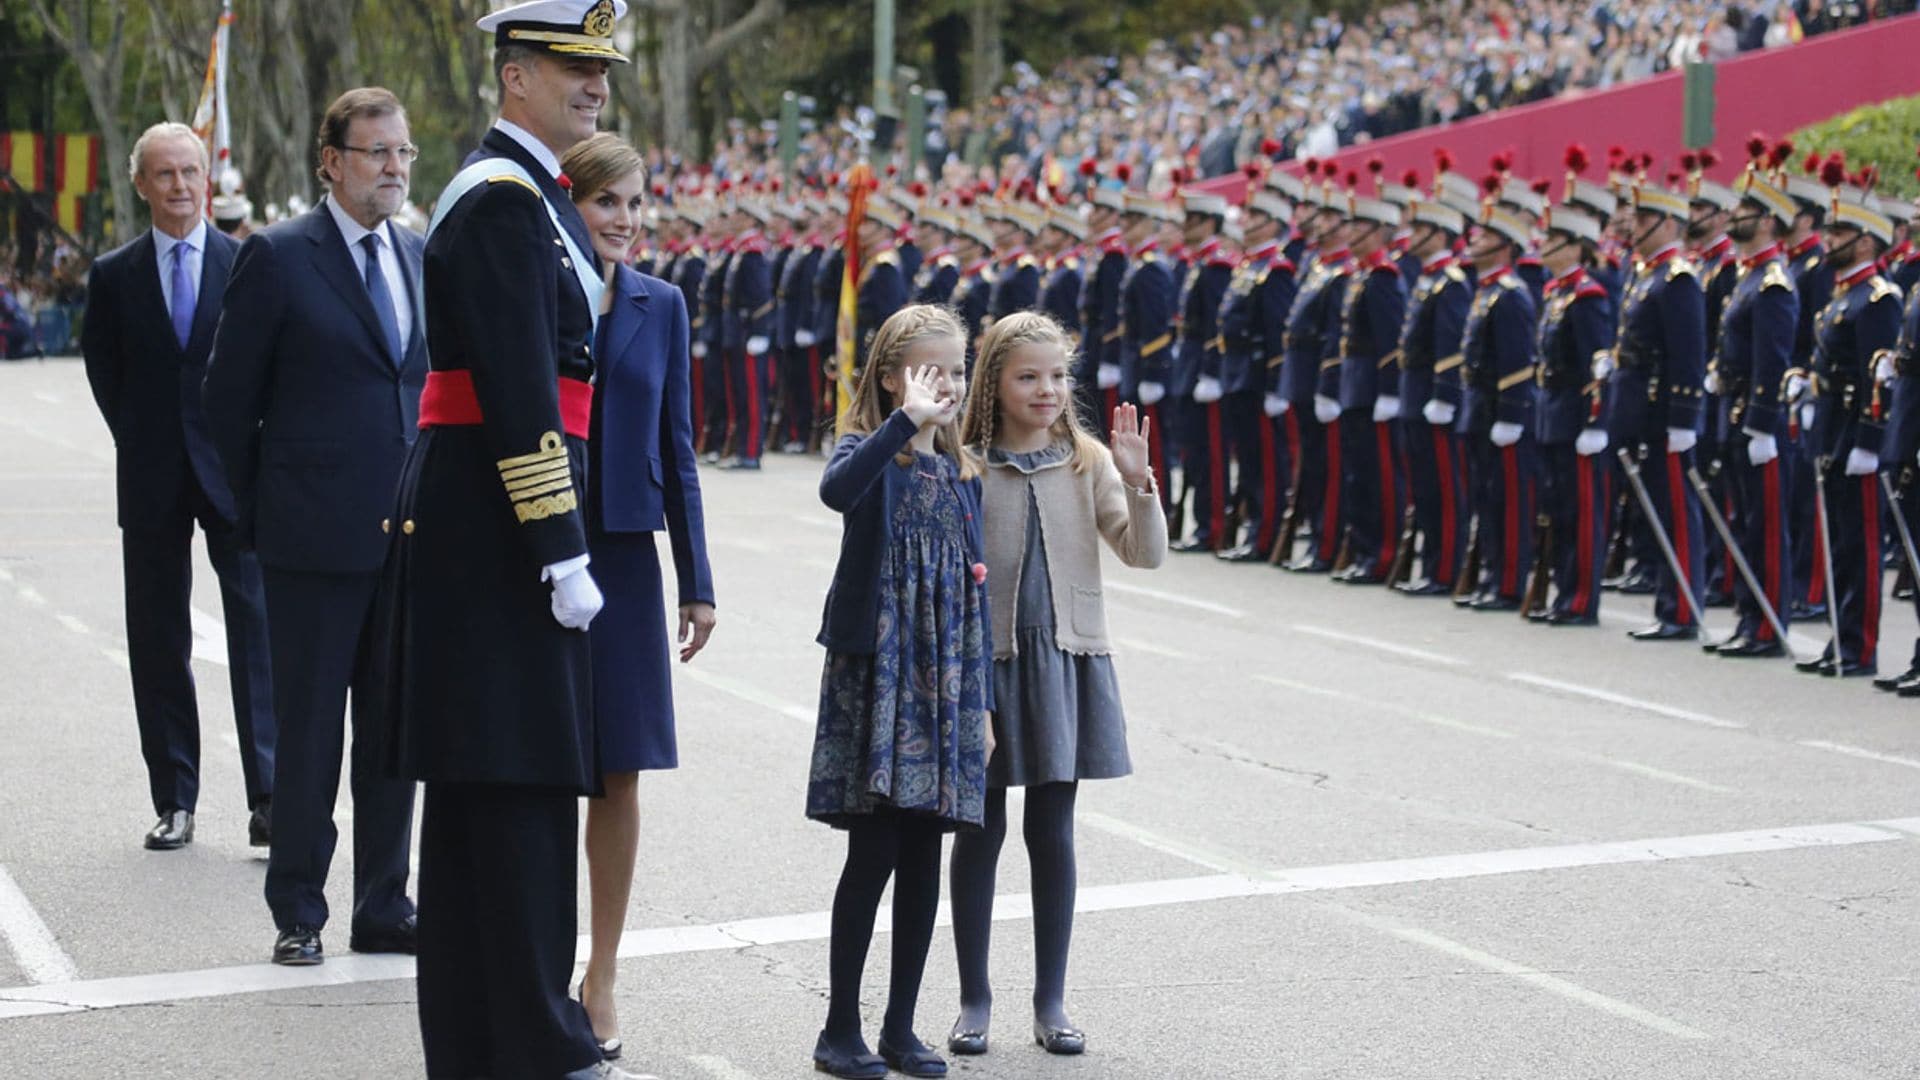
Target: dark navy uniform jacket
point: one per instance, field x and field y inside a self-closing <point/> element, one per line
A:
<point x="972" y="295"/>
<point x="883" y="291"/>
<point x="747" y="299"/>
<point x="828" y="277"/>
<point x="1497" y="348"/>
<point x="1016" y="285"/>
<point x="1430" y="335"/>
<point x="1903" y="419"/>
<point x="1660" y="352"/>
<point x="1308" y="326"/>
<point x="1577" y="323"/>
<point x="1198" y="308"/>
<point x="1253" y="320"/>
<point x="690" y="276"/>
<point x="1756" y="342"/>
<point x="1861" y="321"/>
<point x="1813" y="283"/>
<point x="910" y="257"/>
<point x="1060" y="292"/>
<point x="1100" y="307"/>
<point x="1147" y="298"/>
<point x="796" y="296"/>
<point x="1371" y="309"/>
<point x="939" y="273"/>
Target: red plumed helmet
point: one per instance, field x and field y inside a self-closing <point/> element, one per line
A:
<point x="1689" y="161"/>
<point x="773" y="185"/>
<point x="1124" y="171"/>
<point x="1575" y="158"/>
<point x="1674" y="176"/>
<point x="1089" y="167"/>
<point x="1646" y="160"/>
<point x="893" y="170"/>
<point x="1490" y="183"/>
<point x="1616" y="154"/>
<point x="1313" y="166"/>
<point x="1442" y="160"/>
<point x="833" y="180"/>
<point x="1756" y="146"/>
<point x="1410" y="178"/>
<point x="1251" y="170"/>
<point x="1541" y="187"/>
<point x="918" y="189"/>
<point x="1352" y="179"/>
<point x="659" y="191"/>
<point x="1376" y="164"/>
<point x="1330" y="168"/>
<point x="1833" y="171"/>
<point x="966" y="198"/>
<point x="1812" y="164"/>
<point x="1709" y="158"/>
<point x="726" y="186"/>
<point x="1269" y="147"/>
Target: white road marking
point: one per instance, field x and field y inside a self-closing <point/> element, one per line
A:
<point x="1623" y="700"/>
<point x="1198" y="854"/>
<point x="1163" y="596"/>
<point x="42" y="395"/>
<point x="719" y="1067"/>
<point x="1652" y="773"/>
<point x="31" y="596"/>
<point x="1152" y="649"/>
<point x="71" y="623"/>
<point x="746" y="692"/>
<point x="209" y="637"/>
<point x="119" y="656"/>
<point x="1855" y="751"/>
<point x="5" y="574"/>
<point x="1387" y="707"/>
<point x="76" y="996"/>
<point x="1379" y="645"/>
<point x="29" y="938"/>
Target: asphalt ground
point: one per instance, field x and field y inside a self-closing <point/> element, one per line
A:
<point x="1368" y="837"/>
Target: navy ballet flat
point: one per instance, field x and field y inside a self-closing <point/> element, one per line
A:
<point x="914" y="1061"/>
<point x="1061" y="1040"/>
<point x="850" y="1066"/>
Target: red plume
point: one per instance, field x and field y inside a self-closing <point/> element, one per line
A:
<point x="1410" y="178"/>
<point x="1352" y="179"/>
<point x="892" y="170"/>
<point x="1089" y="167"/>
<point x="1646" y="160"/>
<point x="773" y="185"/>
<point x="1376" y="164"/>
<point x="918" y="189"/>
<point x="1812" y="164"/>
<point x="1269" y="147"/>
<point x="1689" y="162"/>
<point x="1674" y="176"/>
<point x="966" y="198"/>
<point x="1838" y="156"/>
<point x="1615" y="155"/>
<point x="659" y="191"/>
<point x="1124" y="171"/>
<point x="1330" y="168"/>
<point x="1575" y="158"/>
<point x="1490" y="183"/>
<point x="1709" y="158"/>
<point x="1442" y="160"/>
<point x="1313" y="166"/>
<point x="1756" y="147"/>
<point x="726" y="186"/>
<point x="833" y="180"/>
<point x="1541" y="187"/>
<point x="1251" y="170"/>
<point x="1833" y="171"/>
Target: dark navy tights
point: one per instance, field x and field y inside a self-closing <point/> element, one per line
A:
<point x="907" y="849"/>
<point x="976" y="856"/>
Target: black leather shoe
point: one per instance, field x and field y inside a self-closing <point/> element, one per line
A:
<point x="1568" y="618"/>
<point x="1422" y="588"/>
<point x="1539" y="615"/>
<point x="260" y="825"/>
<point x="1715" y="646"/>
<point x="917" y="1060"/>
<point x="402" y="937"/>
<point x="1062" y="1040"/>
<point x="1801" y="611"/>
<point x="1909" y="687"/>
<point x="1665" y="631"/>
<point x="1493" y="601"/>
<point x="1361" y="574"/>
<point x="172" y="832"/>
<point x="1307" y="564"/>
<point x="1747" y="648"/>
<point x="1819" y="665"/>
<point x="1892" y="682"/>
<point x="1243" y="553"/>
<point x="1191" y="544"/>
<point x="298" y="946"/>
<point x="1853" y="670"/>
<point x="1637" y="583"/>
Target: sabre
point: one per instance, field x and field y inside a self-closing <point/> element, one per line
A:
<point x="1900" y="521"/>
<point x="1826" y="557"/>
<point x="1740" y="562"/>
<point x="1639" y="486"/>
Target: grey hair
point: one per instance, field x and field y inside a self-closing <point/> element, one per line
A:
<point x="165" y="129"/>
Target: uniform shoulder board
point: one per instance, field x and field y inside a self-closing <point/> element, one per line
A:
<point x="1880" y="288"/>
<point x="1285" y="266"/>
<point x="1812" y="262"/>
<point x="1149" y="257"/>
<point x="1261" y="277"/>
<point x="1682" y="267"/>
<point x="1027" y="262"/>
<point x="509" y="178"/>
<point x="1073" y="262"/>
<point x="1590" y="289"/>
<point x="886" y="258"/>
<point x="1454" y="273"/>
<point x="1776" y="277"/>
<point x="1511" y="280"/>
<point x="947" y="260"/>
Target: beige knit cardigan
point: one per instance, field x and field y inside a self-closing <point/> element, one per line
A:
<point x="1075" y="508"/>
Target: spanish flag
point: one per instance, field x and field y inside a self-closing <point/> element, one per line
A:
<point x="860" y="183"/>
<point x="70" y="211"/>
<point x="76" y="164"/>
<point x="23" y="154"/>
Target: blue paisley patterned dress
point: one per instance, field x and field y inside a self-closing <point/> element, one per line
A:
<point x="904" y="729"/>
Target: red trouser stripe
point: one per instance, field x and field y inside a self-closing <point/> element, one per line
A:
<point x="1510" y="550"/>
<point x="1216" y="479"/>
<point x="1269" y="488"/>
<point x="1449" y="526"/>
<point x="727" y="431"/>
<point x="1870" y="568"/>
<point x="1682" y="540"/>
<point x="1816" y="578"/>
<point x="1329" y="539"/>
<point x="753" y="408"/>
<point x="1770" y="511"/>
<point x="1389" y="501"/>
<point x="1583" y="527"/>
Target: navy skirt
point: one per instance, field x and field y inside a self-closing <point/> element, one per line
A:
<point x="632" y="656"/>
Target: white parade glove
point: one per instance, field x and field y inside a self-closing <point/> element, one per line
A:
<point x="576" y="600"/>
<point x="1883" y="368"/>
<point x="1505" y="434"/>
<point x="1386" y="407"/>
<point x="1325" y="409"/>
<point x="1681" y="439"/>
<point x="1151" y="393"/>
<point x="756" y="345"/>
<point x="804" y="338"/>
<point x="1590" y="441"/>
<point x="1438" y="413"/>
<point x="1797" y="387"/>
<point x="1807" y="417"/>
<point x="700" y="350"/>
<point x="1862" y="462"/>
<point x="1712" y="385"/>
<point x="1275" y="405"/>
<point x="1602" y="365"/>
<point x="1206" y="390"/>
<point x="1761" y="448"/>
<point x="1106" y="376"/>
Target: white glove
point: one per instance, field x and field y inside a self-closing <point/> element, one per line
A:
<point x="1590" y="441"/>
<point x="1681" y="439"/>
<point x="1712" y="385"/>
<point x="1761" y="448"/>
<point x="1883" y="368"/>
<point x="1106" y="376"/>
<point x="1438" y="413"/>
<point x="1386" y="407"/>
<point x="700" y="350"/>
<point x="1325" y="409"/>
<point x="1602" y="365"/>
<point x="1151" y="393"/>
<point x="576" y="600"/>
<point x="1862" y="462"/>
<point x="1797" y="387"/>
<point x="1807" y="415"/>
<point x="804" y="338"/>
<point x="1275" y="405"/>
<point x="1505" y="434"/>
<point x="1206" y="390"/>
<point x="756" y="344"/>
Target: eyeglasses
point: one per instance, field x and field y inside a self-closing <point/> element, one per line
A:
<point x="380" y="155"/>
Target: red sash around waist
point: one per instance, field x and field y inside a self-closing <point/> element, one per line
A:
<point x="448" y="401"/>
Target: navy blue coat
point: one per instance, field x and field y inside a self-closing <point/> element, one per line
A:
<point x="1253" y="320"/>
<point x="1371" y="310"/>
<point x="1430" y="332"/>
<point x="1198" y="312"/>
<point x="1498" y="357"/>
<point x="1147" y="296"/>
<point x="1307" y="327"/>
<point x="828" y="275"/>
<point x="1016" y="287"/>
<point x="1577" y="323"/>
<point x="795" y="293"/>
<point x="311" y="416"/>
<point x="1662" y="354"/>
<point x="936" y="279"/>
<point x="1060" y="293"/>
<point x="747" y="297"/>
<point x="1100" y="312"/>
<point x="1756" y="342"/>
<point x="883" y="291"/>
<point x="1861" y="321"/>
<point x="147" y="386"/>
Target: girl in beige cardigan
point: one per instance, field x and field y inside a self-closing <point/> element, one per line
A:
<point x="1051" y="493"/>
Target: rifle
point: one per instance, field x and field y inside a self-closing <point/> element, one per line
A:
<point x="1535" y="600"/>
<point x="1282" y="552"/>
<point x="1403" y="554"/>
<point x="1469" y="576"/>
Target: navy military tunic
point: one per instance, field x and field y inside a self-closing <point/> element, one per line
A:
<point x="1497" y="375"/>
<point x="1147" y="296"/>
<point x="1199" y="431"/>
<point x="1430" y="346"/>
<point x="1577" y="324"/>
<point x="939" y="273"/>
<point x="1310" y="323"/>
<point x="1750" y="361"/>
<point x="1251" y="324"/>
<point x="1371" y="310"/>
<point x="1100" y="333"/>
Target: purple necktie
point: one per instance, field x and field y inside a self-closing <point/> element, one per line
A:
<point x="182" y="295"/>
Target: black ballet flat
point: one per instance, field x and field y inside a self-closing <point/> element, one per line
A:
<point x="966" y="1043"/>
<point x="850" y="1066"/>
<point x="1064" y="1040"/>
<point x="916" y="1061"/>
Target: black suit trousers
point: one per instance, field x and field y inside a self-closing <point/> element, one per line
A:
<point x="325" y="647"/>
<point x="157" y="557"/>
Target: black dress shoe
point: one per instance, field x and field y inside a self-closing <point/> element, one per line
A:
<point x="966" y="1041"/>
<point x="1423" y="588"/>
<point x="1191" y="544"/>
<point x="1747" y="648"/>
<point x="833" y="1062"/>
<point x="1243" y="553"/>
<point x="1539" y="615"/>
<point x="172" y="832"/>
<point x="298" y="946"/>
<point x="1568" y="618"/>
<point x="1853" y="669"/>
<point x="1493" y="601"/>
<point x="1909" y="687"/>
<point x="1665" y="631"/>
<point x="260" y="825"/>
<point x="1307" y="564"/>
<point x="1819" y="665"/>
<point x="1892" y="682"/>
<point x="1361" y="574"/>
<point x="1801" y="611"/>
<point x="1715" y="646"/>
<point x="402" y="937"/>
<point x="1059" y="1040"/>
<point x="1637" y="584"/>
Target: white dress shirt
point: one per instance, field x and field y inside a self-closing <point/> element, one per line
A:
<point x="353" y="232"/>
<point x="540" y="151"/>
<point x="163" y="246"/>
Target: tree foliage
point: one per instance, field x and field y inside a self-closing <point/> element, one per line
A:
<point x="1882" y="135"/>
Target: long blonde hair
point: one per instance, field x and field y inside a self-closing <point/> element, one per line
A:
<point x="872" y="402"/>
<point x="1017" y="331"/>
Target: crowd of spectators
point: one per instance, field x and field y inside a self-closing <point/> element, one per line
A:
<point x="42" y="290"/>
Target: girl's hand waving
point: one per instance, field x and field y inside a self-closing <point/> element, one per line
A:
<point x="1129" y="443"/>
<point x="918" y="397"/>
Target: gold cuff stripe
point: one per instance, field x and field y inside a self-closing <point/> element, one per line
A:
<point x="519" y="488"/>
<point x="1518" y="377"/>
<point x="1276" y="360"/>
<point x="542" y="488"/>
<point x="522" y="471"/>
<point x="540" y="509"/>
<point x="552" y="447"/>
<point x="763" y="310"/>
<point x="1449" y="363"/>
<point x="1156" y="345"/>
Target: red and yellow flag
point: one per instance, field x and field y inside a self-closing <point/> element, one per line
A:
<point x="23" y="153"/>
<point x="70" y="211"/>
<point x="76" y="164"/>
<point x="860" y="183"/>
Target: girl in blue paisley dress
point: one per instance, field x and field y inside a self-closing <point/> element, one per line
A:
<point x="900" y="751"/>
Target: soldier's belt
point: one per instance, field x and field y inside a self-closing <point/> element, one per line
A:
<point x="448" y="400"/>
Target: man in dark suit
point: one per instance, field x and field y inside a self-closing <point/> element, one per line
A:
<point x="151" y="310"/>
<point x="313" y="396"/>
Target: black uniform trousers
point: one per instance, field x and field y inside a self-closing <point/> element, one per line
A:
<point x="1808" y="583"/>
<point x="1578" y="491"/>
<point x="1665" y="474"/>
<point x="497" y="902"/>
<point x="1440" y="511"/>
<point x="1370" y="489"/>
<point x="1202" y="440"/>
<point x="1155" y="416"/>
<point x="711" y="438"/>
<point x="157" y="558"/>
<point x="798" y="384"/>
<point x="1854" y="503"/>
<point x="1505" y="480"/>
<point x="1316" y="488"/>
<point x="1759" y="522"/>
<point x="1250" y="446"/>
<point x="1280" y="454"/>
<point x="326" y="644"/>
<point x="748" y="380"/>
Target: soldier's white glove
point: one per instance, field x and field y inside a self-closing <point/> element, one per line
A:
<point x="1681" y="439"/>
<point x="1602" y="365"/>
<point x="699" y="350"/>
<point x="1712" y="385"/>
<point x="1206" y="390"/>
<point x="804" y="338"/>
<point x="756" y="345"/>
<point x="1883" y="367"/>
<point x="1438" y="413"/>
<point x="1505" y="433"/>
<point x="1386" y="407"/>
<point x="1761" y="448"/>
<point x="1797" y="387"/>
<point x="1106" y="376"/>
<point x="1807" y="416"/>
<point x="576" y="600"/>
<point x="1151" y="393"/>
<point x="1275" y="405"/>
<point x="1862" y="462"/>
<point x="1325" y="409"/>
<point x="1590" y="441"/>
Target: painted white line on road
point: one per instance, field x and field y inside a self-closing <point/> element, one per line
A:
<point x="209" y="637"/>
<point x="1652" y="773"/>
<point x="78" y="996"/>
<point x="1152" y="649"/>
<point x="42" y="395"/>
<point x="1197" y="854"/>
<point x="31" y="596"/>
<point x="719" y="1067"/>
<point x="29" y="938"/>
<point x="1165" y="597"/>
<point x="746" y="692"/>
<point x="5" y="574"/>
<point x="1859" y="752"/>
<point x="71" y="623"/>
<point x="1379" y="645"/>
<point x="1623" y="700"/>
<point x="1386" y="707"/>
<point x="119" y="656"/>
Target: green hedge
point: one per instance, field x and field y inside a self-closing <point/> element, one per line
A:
<point x="1884" y="135"/>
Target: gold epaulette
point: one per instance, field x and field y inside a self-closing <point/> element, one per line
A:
<point x="509" y="178"/>
<point x="1454" y="273"/>
<point x="1682" y="267"/>
<point x="540" y="484"/>
<point x="886" y="257"/>
<point x="1880" y="288"/>
<point x="1776" y="277"/>
<point x="1025" y="262"/>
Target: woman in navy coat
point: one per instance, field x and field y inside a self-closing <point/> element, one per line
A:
<point x="641" y="478"/>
